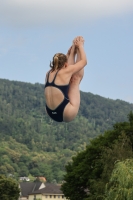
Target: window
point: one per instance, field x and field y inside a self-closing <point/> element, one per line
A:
<point x="62" y="196"/>
<point x="58" y="196"/>
<point x="50" y="196"/>
<point x="54" y="196"/>
<point x="46" y="196"/>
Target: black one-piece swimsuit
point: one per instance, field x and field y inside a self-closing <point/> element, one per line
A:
<point x="57" y="113"/>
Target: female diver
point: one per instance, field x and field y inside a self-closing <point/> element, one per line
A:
<point x="61" y="92"/>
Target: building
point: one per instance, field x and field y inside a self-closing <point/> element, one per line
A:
<point x="40" y="191"/>
<point x="24" y="178"/>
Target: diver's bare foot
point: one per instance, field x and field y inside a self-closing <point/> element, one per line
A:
<point x="78" y="39"/>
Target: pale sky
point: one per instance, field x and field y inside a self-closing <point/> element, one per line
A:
<point x="32" y="31"/>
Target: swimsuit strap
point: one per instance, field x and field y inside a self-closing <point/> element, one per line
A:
<point x="48" y="76"/>
<point x="55" y="76"/>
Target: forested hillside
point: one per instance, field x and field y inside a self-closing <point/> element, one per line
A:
<point x="31" y="143"/>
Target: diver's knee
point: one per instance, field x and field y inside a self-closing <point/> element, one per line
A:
<point x="76" y="77"/>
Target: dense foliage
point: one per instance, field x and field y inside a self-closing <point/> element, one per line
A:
<point x="120" y="185"/>
<point x="90" y="170"/>
<point x="31" y="143"/>
<point x="9" y="189"/>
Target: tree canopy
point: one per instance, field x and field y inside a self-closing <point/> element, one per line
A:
<point x="9" y="188"/>
<point x="90" y="170"/>
<point x="120" y="185"/>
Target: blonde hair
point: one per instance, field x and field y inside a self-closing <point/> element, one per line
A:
<point x="58" y="62"/>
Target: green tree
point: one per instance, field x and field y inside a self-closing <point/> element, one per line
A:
<point x="120" y="185"/>
<point x="89" y="171"/>
<point x="120" y="150"/>
<point x="24" y="171"/>
<point x="35" y="172"/>
<point x="8" y="188"/>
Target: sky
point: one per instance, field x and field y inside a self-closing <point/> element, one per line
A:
<point x="32" y="31"/>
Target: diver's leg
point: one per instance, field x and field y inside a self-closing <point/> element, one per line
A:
<point x="71" y="55"/>
<point x="78" y="58"/>
<point x="74" y="93"/>
<point x="71" y="110"/>
<point x="81" y="72"/>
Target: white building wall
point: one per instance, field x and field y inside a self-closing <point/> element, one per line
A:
<point x="38" y="196"/>
<point x="53" y="197"/>
<point x="47" y="197"/>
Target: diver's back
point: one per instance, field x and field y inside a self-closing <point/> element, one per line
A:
<point x="56" y="88"/>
